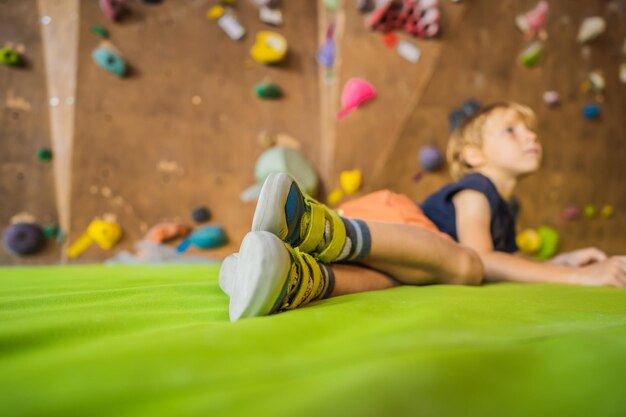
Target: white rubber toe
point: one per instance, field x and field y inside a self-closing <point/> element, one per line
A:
<point x="269" y="214"/>
<point x="262" y="269"/>
<point x="227" y="273"/>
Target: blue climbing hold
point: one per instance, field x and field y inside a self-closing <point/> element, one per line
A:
<point x="109" y="60"/>
<point x="591" y="111"/>
<point x="208" y="237"/>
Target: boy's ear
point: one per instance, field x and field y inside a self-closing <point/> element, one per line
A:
<point x="473" y="155"/>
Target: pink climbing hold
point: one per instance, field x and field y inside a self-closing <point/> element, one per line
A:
<point x="356" y="92"/>
<point x="111" y="8"/>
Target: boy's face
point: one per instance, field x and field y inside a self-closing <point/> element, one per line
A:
<point x="509" y="145"/>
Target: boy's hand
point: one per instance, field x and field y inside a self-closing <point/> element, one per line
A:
<point x="581" y="257"/>
<point x="611" y="272"/>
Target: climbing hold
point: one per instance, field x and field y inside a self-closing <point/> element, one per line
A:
<point x="528" y="241"/>
<point x="607" y="211"/>
<point x="272" y="17"/>
<point x="51" y="230"/>
<point x="419" y="18"/>
<point x="430" y="158"/>
<point x="622" y="72"/>
<point x="572" y="212"/>
<point x="591" y="111"/>
<point x="10" y="57"/>
<point x="530" y="56"/>
<point x="595" y="82"/>
<point x="331" y="4"/>
<point x="391" y="39"/>
<point x="105" y="234"/>
<point x="112" y="9"/>
<point x="409" y="51"/>
<point x="162" y="232"/>
<point x="269" y="47"/>
<point x="24" y="238"/>
<point x="44" y="154"/>
<point x="326" y="54"/>
<point x="208" y="237"/>
<point x="201" y="214"/>
<point x="351" y="181"/>
<point x="231" y="26"/>
<point x="152" y="1"/>
<point x="290" y="161"/>
<point x="365" y="6"/>
<point x="591" y="28"/>
<point x="99" y="31"/>
<point x="215" y="12"/>
<point x="549" y="242"/>
<point x="551" y="98"/>
<point x="456" y="117"/>
<point x="106" y="59"/>
<point x="268" y="90"/>
<point x="356" y="92"/>
<point x="334" y="196"/>
<point x="590" y="211"/>
<point x="471" y="106"/>
<point x="533" y="21"/>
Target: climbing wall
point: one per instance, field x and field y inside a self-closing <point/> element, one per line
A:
<point x="181" y="130"/>
<point x="27" y="191"/>
<point x="583" y="161"/>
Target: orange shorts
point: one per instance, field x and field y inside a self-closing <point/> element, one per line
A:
<point x="389" y="207"/>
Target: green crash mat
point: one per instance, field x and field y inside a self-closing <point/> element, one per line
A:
<point x="156" y="341"/>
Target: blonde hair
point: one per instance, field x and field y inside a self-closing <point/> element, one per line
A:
<point x="470" y="133"/>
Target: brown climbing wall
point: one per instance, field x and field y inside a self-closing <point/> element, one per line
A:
<point x="26" y="184"/>
<point x="182" y="129"/>
<point x="477" y="57"/>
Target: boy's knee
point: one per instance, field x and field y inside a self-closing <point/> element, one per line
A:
<point x="471" y="268"/>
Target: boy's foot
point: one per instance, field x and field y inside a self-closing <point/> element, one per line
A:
<point x="284" y="210"/>
<point x="271" y="277"/>
<point x="227" y="273"/>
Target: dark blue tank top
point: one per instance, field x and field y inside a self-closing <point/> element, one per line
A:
<point x="439" y="208"/>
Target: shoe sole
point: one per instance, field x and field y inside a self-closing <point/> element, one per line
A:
<point x="228" y="271"/>
<point x="262" y="268"/>
<point x="269" y="214"/>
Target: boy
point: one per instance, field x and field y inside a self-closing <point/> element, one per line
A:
<point x="491" y="151"/>
<point x="495" y="148"/>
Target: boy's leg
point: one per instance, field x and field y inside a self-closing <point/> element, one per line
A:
<point x="413" y="255"/>
<point x="350" y="279"/>
<point x="409" y="253"/>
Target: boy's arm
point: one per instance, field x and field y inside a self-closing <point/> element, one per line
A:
<point x="473" y="220"/>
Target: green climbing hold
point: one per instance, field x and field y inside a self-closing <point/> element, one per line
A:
<point x="268" y="91"/>
<point x="331" y="4"/>
<point x="530" y="56"/>
<point x="50" y="230"/>
<point x="99" y="31"/>
<point x="44" y="154"/>
<point x="10" y="57"/>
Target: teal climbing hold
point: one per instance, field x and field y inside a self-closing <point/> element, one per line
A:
<point x="110" y="61"/>
<point x="268" y="91"/>
<point x="10" y="57"/>
<point x="51" y="230"/>
<point x="208" y="237"/>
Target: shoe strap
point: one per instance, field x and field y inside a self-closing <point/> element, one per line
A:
<point x="315" y="229"/>
<point x="310" y="279"/>
<point x="337" y="240"/>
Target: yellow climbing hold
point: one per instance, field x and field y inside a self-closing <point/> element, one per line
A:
<point x="607" y="211"/>
<point x="351" y="181"/>
<point x="528" y="241"/>
<point x="334" y="196"/>
<point x="269" y="47"/>
<point x="103" y="233"/>
<point x="215" y="12"/>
